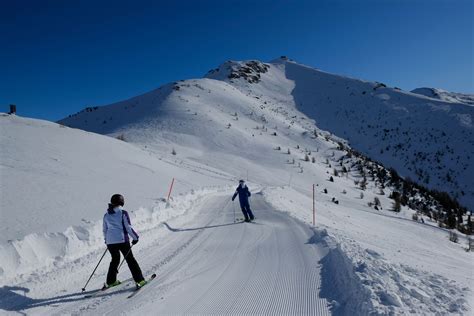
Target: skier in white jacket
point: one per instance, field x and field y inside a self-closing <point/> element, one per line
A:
<point x="117" y="227"/>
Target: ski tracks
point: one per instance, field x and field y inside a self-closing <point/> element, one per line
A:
<point x="265" y="268"/>
<point x="207" y="264"/>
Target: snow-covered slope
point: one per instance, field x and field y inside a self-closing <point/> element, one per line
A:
<point x="447" y="96"/>
<point x="429" y="141"/>
<point x="426" y="140"/>
<point x="207" y="120"/>
<point x="56" y="182"/>
<point x="245" y="120"/>
<point x="40" y="160"/>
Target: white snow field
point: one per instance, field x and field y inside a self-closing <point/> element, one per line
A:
<point x="274" y="125"/>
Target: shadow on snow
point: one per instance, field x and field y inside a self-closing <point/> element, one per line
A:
<point x="197" y="228"/>
<point x="15" y="299"/>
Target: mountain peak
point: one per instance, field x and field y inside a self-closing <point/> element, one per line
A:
<point x="282" y="59"/>
<point x="249" y="70"/>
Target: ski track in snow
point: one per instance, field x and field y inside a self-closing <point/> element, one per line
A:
<point x="211" y="265"/>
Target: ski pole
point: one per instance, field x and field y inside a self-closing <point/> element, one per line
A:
<point x="124" y="257"/>
<point x="84" y="288"/>
<point x="233" y="207"/>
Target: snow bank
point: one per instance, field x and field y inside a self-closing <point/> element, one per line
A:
<point x="401" y="289"/>
<point x="340" y="284"/>
<point x="37" y="253"/>
<point x="360" y="280"/>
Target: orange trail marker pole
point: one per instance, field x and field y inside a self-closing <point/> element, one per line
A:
<point x="171" y="188"/>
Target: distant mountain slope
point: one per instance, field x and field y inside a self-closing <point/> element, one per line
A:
<point x="445" y="95"/>
<point x="207" y="120"/>
<point x="427" y="140"/>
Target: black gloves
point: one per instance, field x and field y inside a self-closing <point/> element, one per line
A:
<point x="134" y="241"/>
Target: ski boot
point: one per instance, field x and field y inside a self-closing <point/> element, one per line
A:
<point x="141" y="283"/>
<point x="106" y="286"/>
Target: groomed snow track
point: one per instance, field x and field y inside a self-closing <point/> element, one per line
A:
<point x="211" y="265"/>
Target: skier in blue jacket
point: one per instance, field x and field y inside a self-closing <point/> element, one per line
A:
<point x="244" y="194"/>
<point x="117" y="227"/>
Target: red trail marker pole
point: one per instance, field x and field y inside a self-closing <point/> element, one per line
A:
<point x="171" y="188"/>
<point x="314" y="210"/>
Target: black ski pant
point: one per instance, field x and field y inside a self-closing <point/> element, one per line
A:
<point x="124" y="248"/>
<point x="245" y="206"/>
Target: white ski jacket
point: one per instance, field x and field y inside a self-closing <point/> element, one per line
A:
<point x="117" y="226"/>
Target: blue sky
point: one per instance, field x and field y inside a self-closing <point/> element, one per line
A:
<point x="57" y="57"/>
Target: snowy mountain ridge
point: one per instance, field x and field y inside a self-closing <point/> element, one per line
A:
<point x="447" y="96"/>
<point x="426" y="140"/>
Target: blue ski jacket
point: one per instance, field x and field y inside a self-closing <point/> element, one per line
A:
<point x="117" y="226"/>
<point x="244" y="193"/>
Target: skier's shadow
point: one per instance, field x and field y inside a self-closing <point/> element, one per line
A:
<point x="15" y="299"/>
<point x="197" y="228"/>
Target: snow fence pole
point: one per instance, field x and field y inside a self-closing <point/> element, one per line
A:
<point x="84" y="288"/>
<point x="171" y="188"/>
<point x="314" y="210"/>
